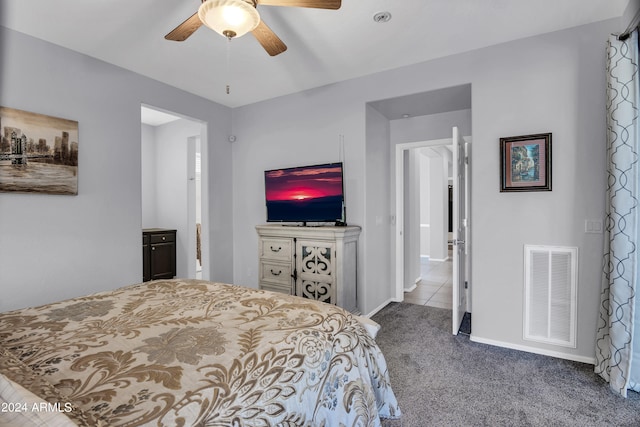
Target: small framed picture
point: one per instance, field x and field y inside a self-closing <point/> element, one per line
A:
<point x="525" y="163"/>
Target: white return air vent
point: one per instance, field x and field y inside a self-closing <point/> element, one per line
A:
<point x="550" y="294"/>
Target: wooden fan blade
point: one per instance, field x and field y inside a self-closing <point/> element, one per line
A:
<point x="318" y="4"/>
<point x="268" y="39"/>
<point x="184" y="30"/>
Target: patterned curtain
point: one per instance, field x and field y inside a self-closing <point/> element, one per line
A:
<point x="618" y="340"/>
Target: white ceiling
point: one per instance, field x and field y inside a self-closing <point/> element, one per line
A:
<point x="324" y="46"/>
<point x="154" y="117"/>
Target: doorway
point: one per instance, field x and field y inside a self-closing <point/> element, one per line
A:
<point x="194" y="172"/>
<point x="174" y="194"/>
<point x="428" y="193"/>
<point x="452" y="279"/>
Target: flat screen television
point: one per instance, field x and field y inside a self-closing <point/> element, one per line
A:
<point x="305" y="194"/>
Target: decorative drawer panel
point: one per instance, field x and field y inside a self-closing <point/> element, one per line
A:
<point x="275" y="272"/>
<point x="280" y="249"/>
<point x="317" y="290"/>
<point x="317" y="258"/>
<point x="316" y="271"/>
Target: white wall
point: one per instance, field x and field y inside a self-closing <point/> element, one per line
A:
<point x="425" y="203"/>
<point x="553" y="83"/>
<point x="56" y="247"/>
<point x="375" y="243"/>
<point x="411" y="218"/>
<point x="286" y="132"/>
<point x="430" y="127"/>
<point x="550" y="83"/>
<point x="439" y="208"/>
<point x="149" y="172"/>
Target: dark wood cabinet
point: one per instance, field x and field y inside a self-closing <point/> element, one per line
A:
<point x="158" y="254"/>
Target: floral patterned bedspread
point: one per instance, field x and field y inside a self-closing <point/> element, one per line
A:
<point x="197" y="353"/>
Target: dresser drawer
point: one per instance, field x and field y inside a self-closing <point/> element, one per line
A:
<point x="276" y="288"/>
<point x="274" y="272"/>
<point x="162" y="237"/>
<point x="277" y="249"/>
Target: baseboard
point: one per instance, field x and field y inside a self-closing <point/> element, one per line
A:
<point x="380" y="307"/>
<point x="411" y="288"/>
<point x="535" y="350"/>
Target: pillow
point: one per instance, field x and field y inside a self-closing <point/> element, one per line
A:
<point x="371" y="326"/>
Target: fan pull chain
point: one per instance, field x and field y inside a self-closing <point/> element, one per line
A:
<point x="228" y="63"/>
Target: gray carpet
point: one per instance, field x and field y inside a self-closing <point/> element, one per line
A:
<point x="445" y="380"/>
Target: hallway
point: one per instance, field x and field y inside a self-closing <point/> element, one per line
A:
<point x="435" y="288"/>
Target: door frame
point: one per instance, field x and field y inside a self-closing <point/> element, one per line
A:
<point x="204" y="153"/>
<point x="191" y="209"/>
<point x="398" y="216"/>
<point x="204" y="204"/>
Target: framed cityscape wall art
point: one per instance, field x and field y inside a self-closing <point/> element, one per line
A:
<point x="38" y="153"/>
<point x="525" y="163"/>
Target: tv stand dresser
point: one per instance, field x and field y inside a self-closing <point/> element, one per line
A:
<point x="318" y="263"/>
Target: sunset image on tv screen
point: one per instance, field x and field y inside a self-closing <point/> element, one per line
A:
<point x="311" y="193"/>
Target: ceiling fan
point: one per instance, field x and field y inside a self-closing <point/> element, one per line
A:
<point x="234" y="18"/>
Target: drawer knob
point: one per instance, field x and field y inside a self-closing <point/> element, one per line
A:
<point x="276" y="274"/>
<point x="164" y="238"/>
<point x="278" y="249"/>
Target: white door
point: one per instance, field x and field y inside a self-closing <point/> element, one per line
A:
<point x="459" y="305"/>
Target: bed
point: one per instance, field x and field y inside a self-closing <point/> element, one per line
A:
<point x="191" y="353"/>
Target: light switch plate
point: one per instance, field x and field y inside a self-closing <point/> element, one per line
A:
<point x="593" y="226"/>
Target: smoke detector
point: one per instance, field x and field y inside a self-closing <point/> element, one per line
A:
<point x="382" y="17"/>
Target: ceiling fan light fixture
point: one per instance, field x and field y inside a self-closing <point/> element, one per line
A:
<point x="229" y="18"/>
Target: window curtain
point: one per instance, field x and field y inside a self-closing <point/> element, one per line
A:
<point x="618" y="334"/>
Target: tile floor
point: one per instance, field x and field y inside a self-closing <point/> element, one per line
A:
<point x="435" y="287"/>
